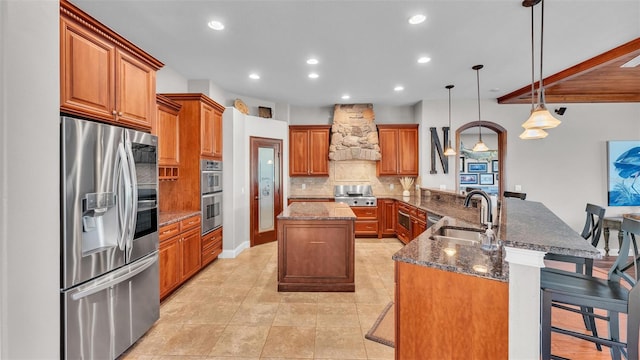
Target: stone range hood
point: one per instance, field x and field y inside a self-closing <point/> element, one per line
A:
<point x="354" y="135"/>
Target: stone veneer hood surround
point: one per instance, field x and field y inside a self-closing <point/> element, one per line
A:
<point x="354" y="135"/>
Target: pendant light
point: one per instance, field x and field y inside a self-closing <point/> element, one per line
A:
<point x="480" y="145"/>
<point x="449" y="150"/>
<point x="540" y="117"/>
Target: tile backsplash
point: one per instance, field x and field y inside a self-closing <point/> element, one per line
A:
<point x="348" y="172"/>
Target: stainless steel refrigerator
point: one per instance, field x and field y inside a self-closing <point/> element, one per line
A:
<point x="109" y="242"/>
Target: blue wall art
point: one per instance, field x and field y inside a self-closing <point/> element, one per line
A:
<point x="623" y="159"/>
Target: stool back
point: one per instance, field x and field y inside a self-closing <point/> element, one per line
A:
<point x="618" y="271"/>
<point x="593" y="224"/>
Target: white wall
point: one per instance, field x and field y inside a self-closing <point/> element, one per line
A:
<point x="564" y="171"/>
<point x="323" y="115"/>
<point x="236" y="174"/>
<point x="29" y="180"/>
<point x="170" y="81"/>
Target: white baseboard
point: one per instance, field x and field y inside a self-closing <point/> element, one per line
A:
<point x="232" y="254"/>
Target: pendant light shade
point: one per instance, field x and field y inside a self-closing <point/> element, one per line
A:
<point x="540" y="117"/>
<point x="532" y="134"/>
<point x="449" y="150"/>
<point x="480" y="145"/>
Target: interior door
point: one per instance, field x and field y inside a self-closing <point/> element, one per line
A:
<point x="266" y="194"/>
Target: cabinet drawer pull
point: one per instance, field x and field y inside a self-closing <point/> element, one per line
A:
<point x="166" y="232"/>
<point x="317" y="242"/>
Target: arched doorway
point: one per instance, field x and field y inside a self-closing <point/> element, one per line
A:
<point x="502" y="152"/>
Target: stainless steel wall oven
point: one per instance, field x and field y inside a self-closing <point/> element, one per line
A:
<point x="211" y="192"/>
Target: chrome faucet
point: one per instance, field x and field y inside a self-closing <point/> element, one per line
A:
<point x="489" y="235"/>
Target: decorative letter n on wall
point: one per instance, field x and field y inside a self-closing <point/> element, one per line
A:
<point x="436" y="148"/>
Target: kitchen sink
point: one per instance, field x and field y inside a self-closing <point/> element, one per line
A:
<point x="464" y="236"/>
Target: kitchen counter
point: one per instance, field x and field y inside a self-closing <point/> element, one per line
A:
<point x="449" y="256"/>
<point x="170" y="217"/>
<point x="317" y="211"/>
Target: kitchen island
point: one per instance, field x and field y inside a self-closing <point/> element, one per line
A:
<point x="316" y="247"/>
<point x="479" y="291"/>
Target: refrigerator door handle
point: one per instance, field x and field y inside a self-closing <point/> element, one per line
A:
<point x="134" y="195"/>
<point x="123" y="209"/>
<point x="118" y="277"/>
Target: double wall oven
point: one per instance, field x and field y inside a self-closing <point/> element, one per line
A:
<point x="211" y="192"/>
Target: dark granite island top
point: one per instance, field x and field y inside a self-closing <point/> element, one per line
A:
<point x="317" y="211"/>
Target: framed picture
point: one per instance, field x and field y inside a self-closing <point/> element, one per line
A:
<point x="623" y="170"/>
<point x="477" y="167"/>
<point x="264" y="112"/>
<point x="494" y="166"/>
<point x="486" y="179"/>
<point x="468" y="179"/>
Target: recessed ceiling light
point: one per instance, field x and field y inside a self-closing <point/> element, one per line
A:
<point x="398" y="88"/>
<point x="254" y="76"/>
<point x="424" y="60"/>
<point x="417" y="19"/>
<point x="216" y="25"/>
<point x="346" y="97"/>
<point x="313" y="76"/>
<point x="312" y="61"/>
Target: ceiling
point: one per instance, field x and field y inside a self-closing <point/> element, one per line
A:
<point x="366" y="48"/>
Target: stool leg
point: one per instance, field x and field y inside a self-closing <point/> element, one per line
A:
<point x="614" y="334"/>
<point x="633" y="326"/>
<point x="606" y="241"/>
<point x="545" y="324"/>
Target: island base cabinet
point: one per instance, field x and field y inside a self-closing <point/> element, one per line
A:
<point x="441" y="314"/>
<point x="316" y="255"/>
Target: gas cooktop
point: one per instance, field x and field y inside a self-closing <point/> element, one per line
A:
<point x="354" y="195"/>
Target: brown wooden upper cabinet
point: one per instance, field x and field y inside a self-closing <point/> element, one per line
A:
<point x="309" y="150"/>
<point x="399" y="149"/>
<point x="102" y="75"/>
<point x="203" y="116"/>
<point x="167" y="128"/>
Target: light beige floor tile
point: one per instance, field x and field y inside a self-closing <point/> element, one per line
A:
<point x="299" y="297"/>
<point x="376" y="350"/>
<point x="255" y="314"/>
<point x="152" y="343"/>
<point x="193" y="340"/>
<point x="263" y="295"/>
<point x="372" y="295"/>
<point x="339" y="343"/>
<point x="290" y="342"/>
<point x="336" y="297"/>
<point x="210" y="313"/>
<point x="368" y="314"/>
<point x="246" y="341"/>
<point x="296" y="314"/>
<point x="337" y="315"/>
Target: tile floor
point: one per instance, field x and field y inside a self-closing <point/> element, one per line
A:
<point x="232" y="309"/>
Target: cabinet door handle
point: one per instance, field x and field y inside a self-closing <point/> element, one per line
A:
<point x="113" y="112"/>
<point x="120" y="113"/>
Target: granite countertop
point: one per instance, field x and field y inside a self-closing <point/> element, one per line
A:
<point x="449" y="255"/>
<point x="170" y="217"/>
<point x="317" y="211"/>
<point x="531" y="225"/>
<point x="311" y="196"/>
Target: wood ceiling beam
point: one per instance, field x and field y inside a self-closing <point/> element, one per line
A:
<point x="593" y="80"/>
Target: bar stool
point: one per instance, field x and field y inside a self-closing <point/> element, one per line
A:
<point x="619" y="293"/>
<point x="591" y="232"/>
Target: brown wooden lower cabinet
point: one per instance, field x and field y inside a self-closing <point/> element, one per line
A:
<point x="367" y="222"/>
<point x="441" y="314"/>
<point x="211" y="246"/>
<point x="387" y="209"/>
<point x="179" y="253"/>
<point x="316" y="255"/>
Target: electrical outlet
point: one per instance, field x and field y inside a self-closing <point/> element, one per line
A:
<point x="304" y="186"/>
<point x="390" y="186"/>
<point x="518" y="187"/>
<point x="443" y="187"/>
